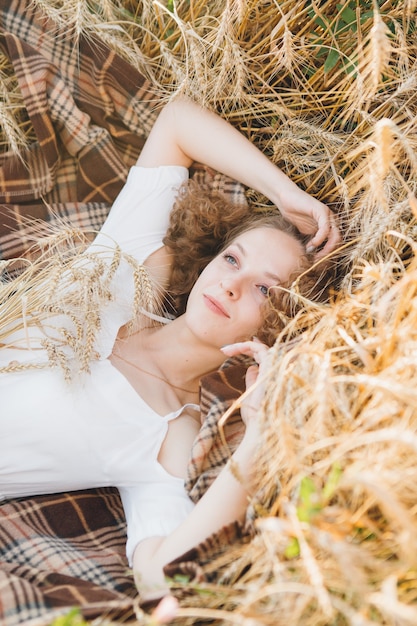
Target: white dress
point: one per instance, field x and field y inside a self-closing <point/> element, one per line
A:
<point x="97" y="431"/>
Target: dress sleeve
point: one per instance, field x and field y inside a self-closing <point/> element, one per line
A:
<point x="153" y="510"/>
<point x="139" y="217"/>
<point x="137" y="223"/>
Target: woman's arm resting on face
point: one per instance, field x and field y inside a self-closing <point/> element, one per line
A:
<point x="185" y="132"/>
<point x="224" y="502"/>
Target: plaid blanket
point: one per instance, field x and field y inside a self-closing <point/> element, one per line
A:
<point x="62" y="551"/>
<point x="90" y="113"/>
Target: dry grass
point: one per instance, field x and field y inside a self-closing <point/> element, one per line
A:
<point x="16" y="131"/>
<point x="60" y="284"/>
<point x="328" y="91"/>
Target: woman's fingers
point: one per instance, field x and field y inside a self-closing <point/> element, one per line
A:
<point x="255" y="349"/>
<point x="251" y="375"/>
<point x="254" y="384"/>
<point x="312" y="217"/>
<point x="327" y="233"/>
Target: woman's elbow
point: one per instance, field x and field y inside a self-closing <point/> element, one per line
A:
<point x="148" y="569"/>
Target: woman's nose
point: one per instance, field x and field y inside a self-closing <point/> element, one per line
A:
<point x="230" y="286"/>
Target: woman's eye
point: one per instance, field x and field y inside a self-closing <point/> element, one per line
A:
<point x="230" y="258"/>
<point x="263" y="289"/>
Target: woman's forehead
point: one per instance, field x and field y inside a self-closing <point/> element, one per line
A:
<point x="268" y="238"/>
<point x="272" y="252"/>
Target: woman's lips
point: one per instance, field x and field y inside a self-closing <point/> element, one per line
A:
<point x="215" y="306"/>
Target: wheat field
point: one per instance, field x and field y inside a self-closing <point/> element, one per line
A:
<point x="328" y="90"/>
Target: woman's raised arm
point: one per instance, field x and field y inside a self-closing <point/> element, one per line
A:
<point x="185" y="132"/>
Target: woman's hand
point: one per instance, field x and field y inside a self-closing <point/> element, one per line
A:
<point x="255" y="377"/>
<point x="225" y="501"/>
<point x="313" y="217"/>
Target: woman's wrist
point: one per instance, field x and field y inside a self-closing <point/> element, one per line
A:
<point x="245" y="453"/>
<point x="277" y="187"/>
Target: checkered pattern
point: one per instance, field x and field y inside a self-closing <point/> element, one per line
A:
<point x="91" y="113"/>
<point x="209" y="454"/>
<point x="60" y="551"/>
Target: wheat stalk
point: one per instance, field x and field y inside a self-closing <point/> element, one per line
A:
<point x="342" y="398"/>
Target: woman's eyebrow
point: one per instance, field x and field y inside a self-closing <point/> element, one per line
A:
<point x="274" y="277"/>
<point x="241" y="248"/>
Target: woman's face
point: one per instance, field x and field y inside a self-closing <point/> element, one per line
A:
<point x="225" y="304"/>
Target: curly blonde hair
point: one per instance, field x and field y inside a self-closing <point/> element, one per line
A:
<point x="203" y="222"/>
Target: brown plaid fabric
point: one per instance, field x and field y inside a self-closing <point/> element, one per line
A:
<point x="209" y="454"/>
<point x="90" y="114"/>
<point x="62" y="551"/>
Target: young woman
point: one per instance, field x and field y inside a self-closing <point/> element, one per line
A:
<point x="130" y="421"/>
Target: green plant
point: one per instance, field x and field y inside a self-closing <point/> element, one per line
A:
<point x="72" y="618"/>
<point x="340" y="28"/>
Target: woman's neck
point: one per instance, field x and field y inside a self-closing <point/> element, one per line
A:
<point x="180" y="356"/>
<point x="164" y="364"/>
